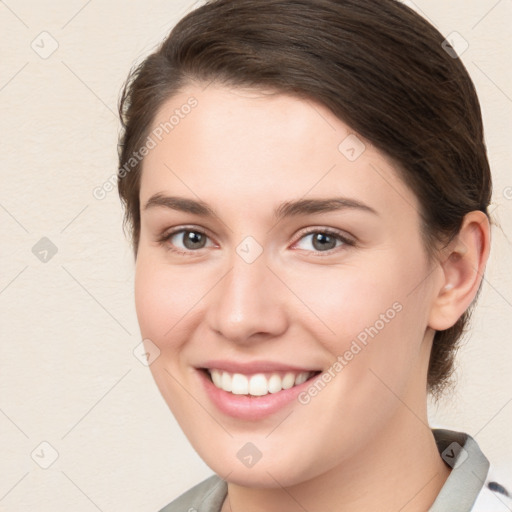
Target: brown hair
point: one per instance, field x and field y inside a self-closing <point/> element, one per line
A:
<point x="376" y="64"/>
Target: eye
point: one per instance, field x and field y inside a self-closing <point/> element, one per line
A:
<point x="325" y="240"/>
<point x="192" y="240"/>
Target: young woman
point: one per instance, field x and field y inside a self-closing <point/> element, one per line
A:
<point x="306" y="186"/>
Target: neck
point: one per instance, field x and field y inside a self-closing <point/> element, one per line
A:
<point x="400" y="469"/>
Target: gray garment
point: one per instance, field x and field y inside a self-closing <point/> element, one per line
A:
<point x="460" y="491"/>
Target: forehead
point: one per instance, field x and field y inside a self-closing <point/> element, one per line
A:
<point x="238" y="145"/>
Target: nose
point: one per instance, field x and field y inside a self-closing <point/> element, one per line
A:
<point x="249" y="302"/>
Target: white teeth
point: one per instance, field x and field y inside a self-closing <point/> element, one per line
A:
<point x="274" y="384"/>
<point x="301" y="378"/>
<point x="288" y="381"/>
<point x="258" y="384"/>
<point x="217" y="378"/>
<point x="239" y="384"/>
<point x="225" y="382"/>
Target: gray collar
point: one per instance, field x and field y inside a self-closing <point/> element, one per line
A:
<point x="469" y="471"/>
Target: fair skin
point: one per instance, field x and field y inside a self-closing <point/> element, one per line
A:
<point x="363" y="442"/>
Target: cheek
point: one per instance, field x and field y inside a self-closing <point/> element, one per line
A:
<point x="150" y="301"/>
<point x="344" y="302"/>
<point x="369" y="316"/>
<point x="166" y="298"/>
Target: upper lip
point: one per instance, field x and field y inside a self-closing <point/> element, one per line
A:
<point x="253" y="367"/>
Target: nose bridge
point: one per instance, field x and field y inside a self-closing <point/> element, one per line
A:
<point x="246" y="302"/>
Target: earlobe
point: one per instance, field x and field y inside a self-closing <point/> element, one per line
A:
<point x="463" y="266"/>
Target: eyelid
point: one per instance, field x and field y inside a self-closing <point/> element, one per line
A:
<point x="166" y="235"/>
<point x="173" y="231"/>
<point x="346" y="239"/>
<point x="311" y="230"/>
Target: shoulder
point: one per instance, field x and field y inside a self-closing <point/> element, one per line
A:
<point x="206" y="496"/>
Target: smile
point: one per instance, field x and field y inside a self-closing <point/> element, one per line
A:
<point x="253" y="390"/>
<point x="259" y="384"/>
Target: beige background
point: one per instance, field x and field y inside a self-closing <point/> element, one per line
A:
<point x="69" y="377"/>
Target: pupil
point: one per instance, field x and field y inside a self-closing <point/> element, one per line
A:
<point x="322" y="238"/>
<point x="193" y="239"/>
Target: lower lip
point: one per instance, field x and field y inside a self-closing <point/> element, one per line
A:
<point x="250" y="407"/>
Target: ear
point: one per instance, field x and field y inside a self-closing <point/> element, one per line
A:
<point x="463" y="264"/>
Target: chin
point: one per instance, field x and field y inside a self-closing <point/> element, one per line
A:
<point x="261" y="474"/>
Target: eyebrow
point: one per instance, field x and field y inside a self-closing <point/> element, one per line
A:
<point x="286" y="209"/>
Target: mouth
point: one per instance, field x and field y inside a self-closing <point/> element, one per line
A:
<point x="257" y="384"/>
<point x="253" y="390"/>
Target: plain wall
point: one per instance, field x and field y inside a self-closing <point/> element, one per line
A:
<point x="68" y="374"/>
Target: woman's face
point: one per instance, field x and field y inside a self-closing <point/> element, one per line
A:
<point x="303" y="256"/>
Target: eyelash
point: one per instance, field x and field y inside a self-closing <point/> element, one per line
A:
<point x="165" y="237"/>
